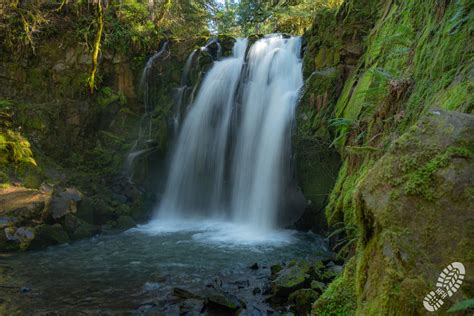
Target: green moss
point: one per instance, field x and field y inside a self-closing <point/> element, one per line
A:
<point x="339" y="299"/>
<point x="421" y="181"/>
<point x="415" y="60"/>
<point x="107" y="96"/>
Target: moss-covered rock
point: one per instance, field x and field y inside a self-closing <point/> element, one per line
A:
<point x="396" y="61"/>
<point x="125" y="222"/>
<point x="292" y="277"/>
<point x="302" y="300"/>
<point x="413" y="204"/>
<point x="340" y="297"/>
<point x="46" y="235"/>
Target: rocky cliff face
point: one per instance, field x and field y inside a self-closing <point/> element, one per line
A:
<point x="387" y="82"/>
<point x="56" y="137"/>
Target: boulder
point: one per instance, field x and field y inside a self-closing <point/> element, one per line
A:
<point x="64" y="202"/>
<point x="291" y="278"/>
<point x="22" y="203"/>
<point x="124" y="222"/>
<point x="302" y="300"/>
<point x="416" y="209"/>
<point x="12" y="238"/>
<point x="77" y="228"/>
<point x="85" y="210"/>
<point x="222" y="301"/>
<point x="185" y="294"/>
<point x="46" y="235"/>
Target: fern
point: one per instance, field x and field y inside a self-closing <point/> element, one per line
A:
<point x="466" y="305"/>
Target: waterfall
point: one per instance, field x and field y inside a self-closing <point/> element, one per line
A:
<point x="181" y="92"/>
<point x="232" y="155"/>
<point x="262" y="152"/>
<point x="139" y="146"/>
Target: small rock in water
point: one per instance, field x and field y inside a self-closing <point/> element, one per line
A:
<point x="256" y="291"/>
<point x="184" y="294"/>
<point x="275" y="269"/>
<point x="242" y="284"/>
<point x="336" y="269"/>
<point x="330" y="264"/>
<point x="150" y="286"/>
<point x="223" y="301"/>
<point x="254" y="266"/>
<point x="318" y="286"/>
<point x="191" y="307"/>
<point x="25" y="289"/>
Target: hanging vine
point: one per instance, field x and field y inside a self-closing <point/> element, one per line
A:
<point x="95" y="53"/>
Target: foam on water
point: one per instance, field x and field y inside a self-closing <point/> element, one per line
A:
<point x="219" y="232"/>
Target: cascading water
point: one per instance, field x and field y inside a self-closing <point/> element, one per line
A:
<point x="232" y="154"/>
<point x="197" y="171"/>
<point x="139" y="147"/>
<point x="182" y="92"/>
<point x="262" y="152"/>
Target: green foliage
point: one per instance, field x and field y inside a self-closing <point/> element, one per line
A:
<point x="247" y="17"/>
<point x="340" y="297"/>
<point x="421" y="180"/>
<point x="107" y="96"/>
<point x="463" y="306"/>
<point x="15" y="149"/>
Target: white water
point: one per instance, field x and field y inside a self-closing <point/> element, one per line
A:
<point x="145" y="127"/>
<point x="232" y="154"/>
<point x="181" y="92"/>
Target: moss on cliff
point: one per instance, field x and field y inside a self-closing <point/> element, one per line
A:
<point x="402" y="60"/>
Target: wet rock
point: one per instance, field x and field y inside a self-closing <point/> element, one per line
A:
<point x="83" y="231"/>
<point x="25" y="290"/>
<point x="125" y="222"/>
<point x="77" y="228"/>
<point x="191" y="307"/>
<point x="302" y="300"/>
<point x="320" y="287"/>
<point x="242" y="284"/>
<point x="222" y="301"/>
<point x="275" y="269"/>
<point x="103" y="211"/>
<point x="317" y="270"/>
<point x="254" y="266"/>
<point x="336" y="269"/>
<point x="46" y="235"/>
<point x="330" y="264"/>
<point x="185" y="294"/>
<point x="256" y="291"/>
<point x="291" y="278"/>
<point x="85" y="210"/>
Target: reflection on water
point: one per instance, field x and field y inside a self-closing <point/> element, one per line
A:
<point x="121" y="273"/>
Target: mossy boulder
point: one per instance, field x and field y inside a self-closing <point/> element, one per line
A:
<point x="415" y="206"/>
<point x="125" y="222"/>
<point x="340" y="297"/>
<point x="77" y="228"/>
<point x="85" y="210"/>
<point x="294" y="276"/>
<point x="46" y="235"/>
<point x="13" y="238"/>
<point x="302" y="300"/>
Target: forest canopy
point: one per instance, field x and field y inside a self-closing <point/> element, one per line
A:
<point x="141" y="23"/>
